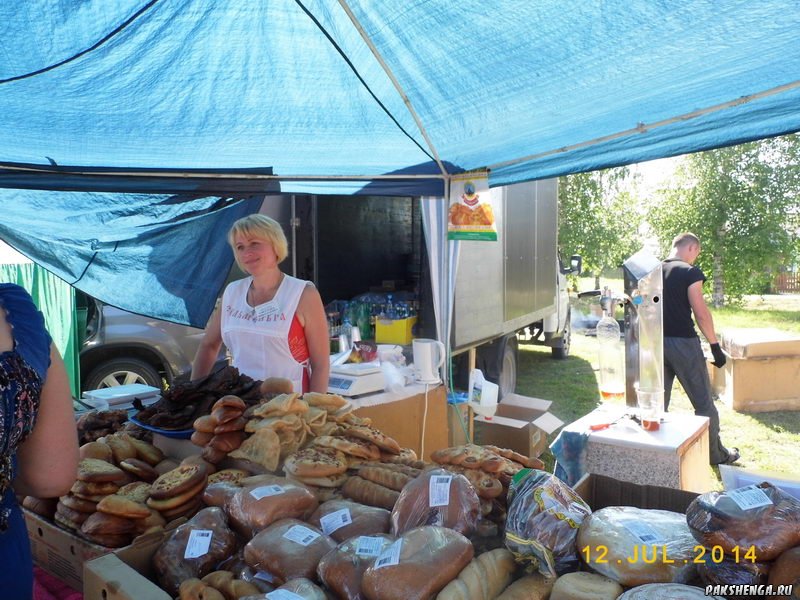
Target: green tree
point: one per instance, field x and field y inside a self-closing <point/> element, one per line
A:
<point x="741" y="202"/>
<point x="598" y="218"/>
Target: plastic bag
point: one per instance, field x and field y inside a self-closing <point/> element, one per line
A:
<point x="544" y="515"/>
<point x="392" y="377"/>
<point x="418" y="565"/>
<point x="342" y="568"/>
<point x="761" y="516"/>
<point x="194" y="549"/>
<point x="288" y="549"/>
<point x="729" y="571"/>
<point x="437" y="497"/>
<point x="635" y="546"/>
<point x="268" y="499"/>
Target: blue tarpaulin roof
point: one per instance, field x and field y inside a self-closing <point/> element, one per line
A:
<point x="179" y="100"/>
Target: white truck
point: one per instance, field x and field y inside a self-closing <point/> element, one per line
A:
<point x="510" y="291"/>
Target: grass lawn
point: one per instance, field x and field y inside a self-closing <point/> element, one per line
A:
<point x="767" y="441"/>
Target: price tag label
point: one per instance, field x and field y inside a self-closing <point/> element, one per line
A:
<point x="267" y="309"/>
<point x="390" y="556"/>
<point x="750" y="497"/>
<point x="643" y="531"/>
<point x="266" y="490"/>
<point x="301" y="535"/>
<point x="283" y="595"/>
<point x="198" y="544"/>
<point x="439" y="490"/>
<point x="335" y="520"/>
<point x="369" y="546"/>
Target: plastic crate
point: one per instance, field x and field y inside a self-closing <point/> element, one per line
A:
<point x="397" y="331"/>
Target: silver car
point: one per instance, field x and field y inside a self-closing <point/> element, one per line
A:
<point x="120" y="348"/>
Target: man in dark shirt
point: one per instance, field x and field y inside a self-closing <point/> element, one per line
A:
<point x="683" y="356"/>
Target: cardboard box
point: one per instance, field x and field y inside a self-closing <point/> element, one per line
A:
<point x="600" y="491"/>
<point x="126" y="574"/>
<point x="397" y="331"/>
<point x="756" y="356"/>
<point x="521" y="424"/>
<point x="59" y="552"/>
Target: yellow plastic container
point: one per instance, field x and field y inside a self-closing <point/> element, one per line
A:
<point x="397" y="331"/>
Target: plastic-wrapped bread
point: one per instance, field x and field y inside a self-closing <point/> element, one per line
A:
<point x="344" y="519"/>
<point x="437" y="497"/>
<point x="418" y="565"/>
<point x="288" y="549"/>
<point x="342" y="569"/>
<point x="634" y="546"/>
<point x="786" y="571"/>
<point x="729" y="571"/>
<point x="267" y="499"/>
<point x="761" y="516"/>
<point x="483" y="578"/>
<point x="544" y="514"/>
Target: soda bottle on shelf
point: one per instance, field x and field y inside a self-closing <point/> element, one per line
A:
<point x="346" y="335"/>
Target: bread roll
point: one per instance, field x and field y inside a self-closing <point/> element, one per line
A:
<point x="427" y="560"/>
<point x="367" y="492"/>
<point x="288" y="549"/>
<point x="483" y="578"/>
<point x="585" y="586"/>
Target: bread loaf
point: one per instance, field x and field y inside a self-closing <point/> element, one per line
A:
<point x="418" y="565"/>
<point x="786" y="570"/>
<point x="483" y="578"/>
<point x="366" y="492"/>
<point x="342" y="569"/>
<point x="173" y="565"/>
<point x="288" y="549"/>
<point x="257" y="505"/>
<point x="666" y="591"/>
<point x="762" y="516"/>
<point x="585" y="586"/>
<point x="531" y="587"/>
<point x="437" y="497"/>
<point x="304" y="589"/>
<point x="628" y="545"/>
<point x="354" y="519"/>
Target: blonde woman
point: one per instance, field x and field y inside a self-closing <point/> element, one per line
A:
<point x="274" y="325"/>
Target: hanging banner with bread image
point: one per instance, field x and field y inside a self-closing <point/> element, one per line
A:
<point x="471" y="216"/>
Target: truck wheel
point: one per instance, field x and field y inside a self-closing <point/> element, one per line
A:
<point x="508" y="368"/>
<point x="561" y="351"/>
<point x="122" y="371"/>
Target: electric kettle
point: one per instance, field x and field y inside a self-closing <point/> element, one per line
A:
<point x="429" y="356"/>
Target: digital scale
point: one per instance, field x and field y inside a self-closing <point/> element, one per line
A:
<point x="356" y="379"/>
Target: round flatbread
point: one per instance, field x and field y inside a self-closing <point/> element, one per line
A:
<point x="315" y="462"/>
<point x="95" y="470"/>
<point x="174" y="501"/>
<point x="178" y="480"/>
<point x="121" y="506"/>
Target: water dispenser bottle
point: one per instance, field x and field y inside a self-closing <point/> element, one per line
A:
<point x="611" y="351"/>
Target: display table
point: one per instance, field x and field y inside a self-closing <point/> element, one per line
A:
<point x="675" y="456"/>
<point x="400" y="415"/>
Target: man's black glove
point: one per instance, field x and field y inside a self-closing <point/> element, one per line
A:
<point x="719" y="356"/>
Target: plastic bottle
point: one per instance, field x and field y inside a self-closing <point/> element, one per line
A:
<point x="346" y="335"/>
<point x="611" y="352"/>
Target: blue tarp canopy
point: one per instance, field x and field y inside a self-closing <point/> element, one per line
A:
<point x="159" y="116"/>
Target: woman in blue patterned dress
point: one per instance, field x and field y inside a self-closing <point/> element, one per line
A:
<point x="38" y="440"/>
